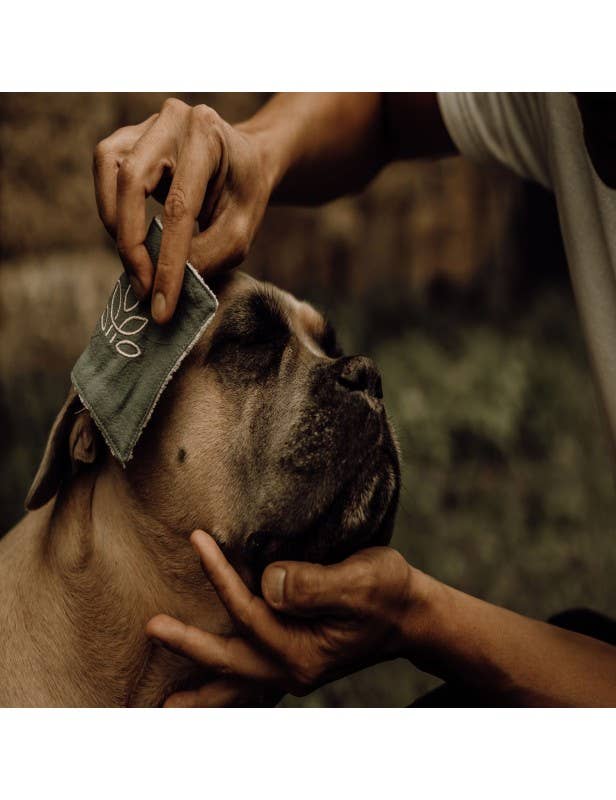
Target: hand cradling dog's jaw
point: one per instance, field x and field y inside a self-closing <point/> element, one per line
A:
<point x="267" y="437"/>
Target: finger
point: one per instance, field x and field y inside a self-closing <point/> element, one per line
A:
<point x="138" y="176"/>
<point x="222" y="693"/>
<point x="250" y="612"/>
<point x="196" y="163"/>
<point x="225" y="655"/>
<point x="107" y="157"/>
<point x="226" y="693"/>
<point x="221" y="246"/>
<point x="304" y="589"/>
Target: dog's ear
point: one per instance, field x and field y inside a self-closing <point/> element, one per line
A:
<point x="73" y="440"/>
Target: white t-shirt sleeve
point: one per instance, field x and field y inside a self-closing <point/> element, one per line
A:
<point x="503" y="127"/>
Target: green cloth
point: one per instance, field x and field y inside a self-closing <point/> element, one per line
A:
<point x="130" y="359"/>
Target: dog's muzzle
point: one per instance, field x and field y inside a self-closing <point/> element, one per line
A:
<point x="361" y="466"/>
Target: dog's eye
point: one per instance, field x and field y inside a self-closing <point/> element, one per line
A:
<point x="254" y="327"/>
<point x="251" y="353"/>
<point x="255" y="337"/>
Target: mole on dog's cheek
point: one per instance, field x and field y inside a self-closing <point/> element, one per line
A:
<point x="181" y="455"/>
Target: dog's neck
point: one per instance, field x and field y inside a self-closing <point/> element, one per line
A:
<point x="101" y="565"/>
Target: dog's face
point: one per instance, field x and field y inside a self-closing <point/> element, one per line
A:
<point x="269" y="438"/>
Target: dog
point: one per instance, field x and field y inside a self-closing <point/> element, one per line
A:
<point x="268" y="437"/>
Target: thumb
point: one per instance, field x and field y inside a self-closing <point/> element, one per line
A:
<point x="302" y="589"/>
<point x="218" y="247"/>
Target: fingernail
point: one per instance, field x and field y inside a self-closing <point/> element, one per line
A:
<point x="273" y="588"/>
<point x="159" y="306"/>
<point x="197" y="538"/>
<point x="166" y="628"/>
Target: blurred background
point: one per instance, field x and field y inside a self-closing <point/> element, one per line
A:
<point x="450" y="276"/>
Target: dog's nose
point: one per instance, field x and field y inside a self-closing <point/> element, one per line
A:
<point x="359" y="374"/>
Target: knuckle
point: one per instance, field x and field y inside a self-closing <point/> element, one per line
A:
<point x="102" y="153"/>
<point x="163" y="277"/>
<point x="175" y="205"/>
<point x="366" y="583"/>
<point x="202" y="118"/>
<point x="128" y="173"/>
<point x="167" y="276"/>
<point x="396" y="560"/>
<point x="174" y="106"/>
<point x="366" y="574"/>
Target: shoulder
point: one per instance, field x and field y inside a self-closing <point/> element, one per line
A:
<point x="509" y="128"/>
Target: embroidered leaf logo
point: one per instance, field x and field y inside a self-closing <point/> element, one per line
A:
<point x="128" y="349"/>
<point x="132" y="325"/>
<point x="126" y="298"/>
<point x="116" y="299"/>
<point x="114" y="327"/>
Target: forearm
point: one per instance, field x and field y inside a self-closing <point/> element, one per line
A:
<point x="317" y="146"/>
<point x="467" y="641"/>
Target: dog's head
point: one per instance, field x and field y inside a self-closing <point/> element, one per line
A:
<point x="268" y="437"/>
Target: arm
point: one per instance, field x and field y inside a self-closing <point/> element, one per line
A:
<point x="319" y="146"/>
<point x="299" y="148"/>
<point x="316" y="624"/>
<point x="519" y="660"/>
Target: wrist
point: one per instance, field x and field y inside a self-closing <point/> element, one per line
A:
<point x="268" y="151"/>
<point x="421" y="621"/>
<point x="451" y="635"/>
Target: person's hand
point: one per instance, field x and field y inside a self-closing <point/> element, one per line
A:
<point x="314" y="624"/>
<point x="203" y="170"/>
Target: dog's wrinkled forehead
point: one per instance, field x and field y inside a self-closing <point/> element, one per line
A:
<point x="251" y="308"/>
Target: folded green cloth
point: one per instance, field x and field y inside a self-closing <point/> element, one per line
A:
<point x="130" y="359"/>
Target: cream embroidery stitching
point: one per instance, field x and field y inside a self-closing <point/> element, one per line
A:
<point x="112" y="325"/>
